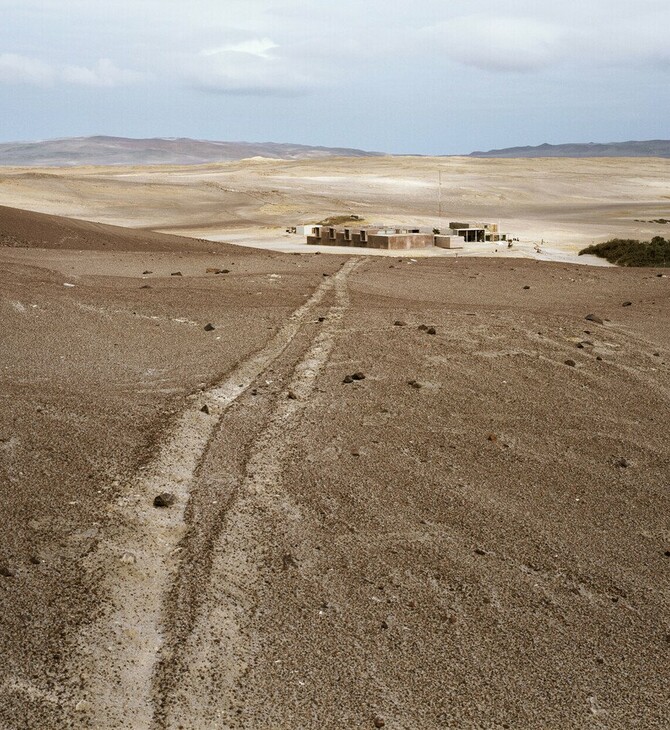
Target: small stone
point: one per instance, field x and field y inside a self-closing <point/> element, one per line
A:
<point x="209" y="327"/>
<point x="289" y="561"/>
<point x="35" y="560"/>
<point x="431" y="331"/>
<point x="7" y="572"/>
<point x="322" y="319"/>
<point x="400" y="323"/>
<point x="667" y="553"/>
<point x="422" y="327"/>
<point x="627" y="304"/>
<point x="622" y="463"/>
<point x="492" y="438"/>
<point x="599" y="358"/>
<point x="291" y="395"/>
<point x="82" y="706"/>
<point x="223" y="271"/>
<point x="480" y="551"/>
<point x="145" y="273"/>
<point x="358" y="376"/>
<point x="379" y="721"/>
<point x="205" y="409"/>
<point x="212" y="270"/>
<point x="176" y="273"/>
<point x="165" y="499"/>
<point x="570" y="363"/>
<point x="128" y="559"/>
<point x="355" y="452"/>
<point x="145" y="286"/>
<point x="526" y="287"/>
<point x="325" y="274"/>
<point x="348" y="379"/>
<point x="593" y="318"/>
<point x="414" y="384"/>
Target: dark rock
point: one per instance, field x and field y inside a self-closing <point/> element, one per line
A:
<point x="322" y="319"/>
<point x="492" y="438"/>
<point x="593" y="318"/>
<point x="7" y="572"/>
<point x="145" y="286"/>
<point x="570" y="363"/>
<point x="325" y="274"/>
<point x="598" y="358"/>
<point x="223" y="271"/>
<point x="423" y="327"/>
<point x="622" y="463"/>
<point x="479" y="551"/>
<point x="165" y="499"/>
<point x="627" y="304"/>
<point x="289" y="561"/>
<point x="526" y="287"/>
<point x="209" y="327"/>
<point x="667" y="553"/>
<point x="35" y="560"/>
<point x="431" y="331"/>
<point x="205" y="409"/>
<point x="348" y="379"/>
<point x="400" y="323"/>
<point x="379" y="722"/>
<point x="358" y="376"/>
<point x="414" y="384"/>
<point x="291" y="395"/>
<point x="176" y="273"/>
<point x="144" y="273"/>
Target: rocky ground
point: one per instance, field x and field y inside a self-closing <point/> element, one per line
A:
<point x="470" y="532"/>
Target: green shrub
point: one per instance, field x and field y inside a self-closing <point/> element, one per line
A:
<point x="629" y="252"/>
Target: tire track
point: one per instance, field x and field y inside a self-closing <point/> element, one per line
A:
<point x="118" y="652"/>
<point x="197" y="688"/>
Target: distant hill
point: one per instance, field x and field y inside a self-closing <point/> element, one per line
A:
<point x="158" y="151"/>
<point x="651" y="148"/>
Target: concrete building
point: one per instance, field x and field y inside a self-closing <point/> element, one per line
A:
<point x="401" y="239"/>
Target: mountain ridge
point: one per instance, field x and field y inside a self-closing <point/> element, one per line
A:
<point x="108" y="150"/>
<point x="632" y="148"/>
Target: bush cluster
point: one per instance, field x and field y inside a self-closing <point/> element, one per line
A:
<point x="629" y="252"/>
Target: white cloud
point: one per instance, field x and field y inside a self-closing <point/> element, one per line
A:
<point x="17" y="69"/>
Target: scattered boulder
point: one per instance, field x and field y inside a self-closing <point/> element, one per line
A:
<point x="7" y="572"/>
<point x="431" y="331"/>
<point x="627" y="304"/>
<point x="358" y="376"/>
<point x="176" y="273"/>
<point x="526" y="287"/>
<point x="422" y="327"/>
<point x="400" y="323"/>
<point x="146" y="273"/>
<point x="322" y="319"/>
<point x="205" y="409"/>
<point x="570" y="363"/>
<point x="348" y="379"/>
<point x="209" y="327"/>
<point x="291" y="395"/>
<point x="492" y="438"/>
<point x="379" y="722"/>
<point x="622" y="463"/>
<point x="128" y="559"/>
<point x="164" y="499"/>
<point x="594" y="318"/>
<point x="480" y="551"/>
<point x="414" y="384"/>
<point x="35" y="560"/>
<point x="145" y="286"/>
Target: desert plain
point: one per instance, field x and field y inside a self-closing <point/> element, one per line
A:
<point x="405" y="491"/>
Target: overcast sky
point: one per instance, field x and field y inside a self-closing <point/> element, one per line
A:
<point x="423" y="76"/>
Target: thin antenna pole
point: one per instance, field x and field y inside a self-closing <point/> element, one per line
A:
<point x="439" y="194"/>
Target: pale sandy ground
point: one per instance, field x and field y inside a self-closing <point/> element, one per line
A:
<point x="560" y="205"/>
<point x="475" y="536"/>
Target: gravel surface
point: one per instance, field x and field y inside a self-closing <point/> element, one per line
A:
<point x="468" y="534"/>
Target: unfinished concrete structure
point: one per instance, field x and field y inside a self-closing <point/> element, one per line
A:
<point x="371" y="237"/>
<point x="398" y="239"/>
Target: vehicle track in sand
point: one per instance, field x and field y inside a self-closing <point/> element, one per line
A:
<point x="207" y="649"/>
<point x="118" y="654"/>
